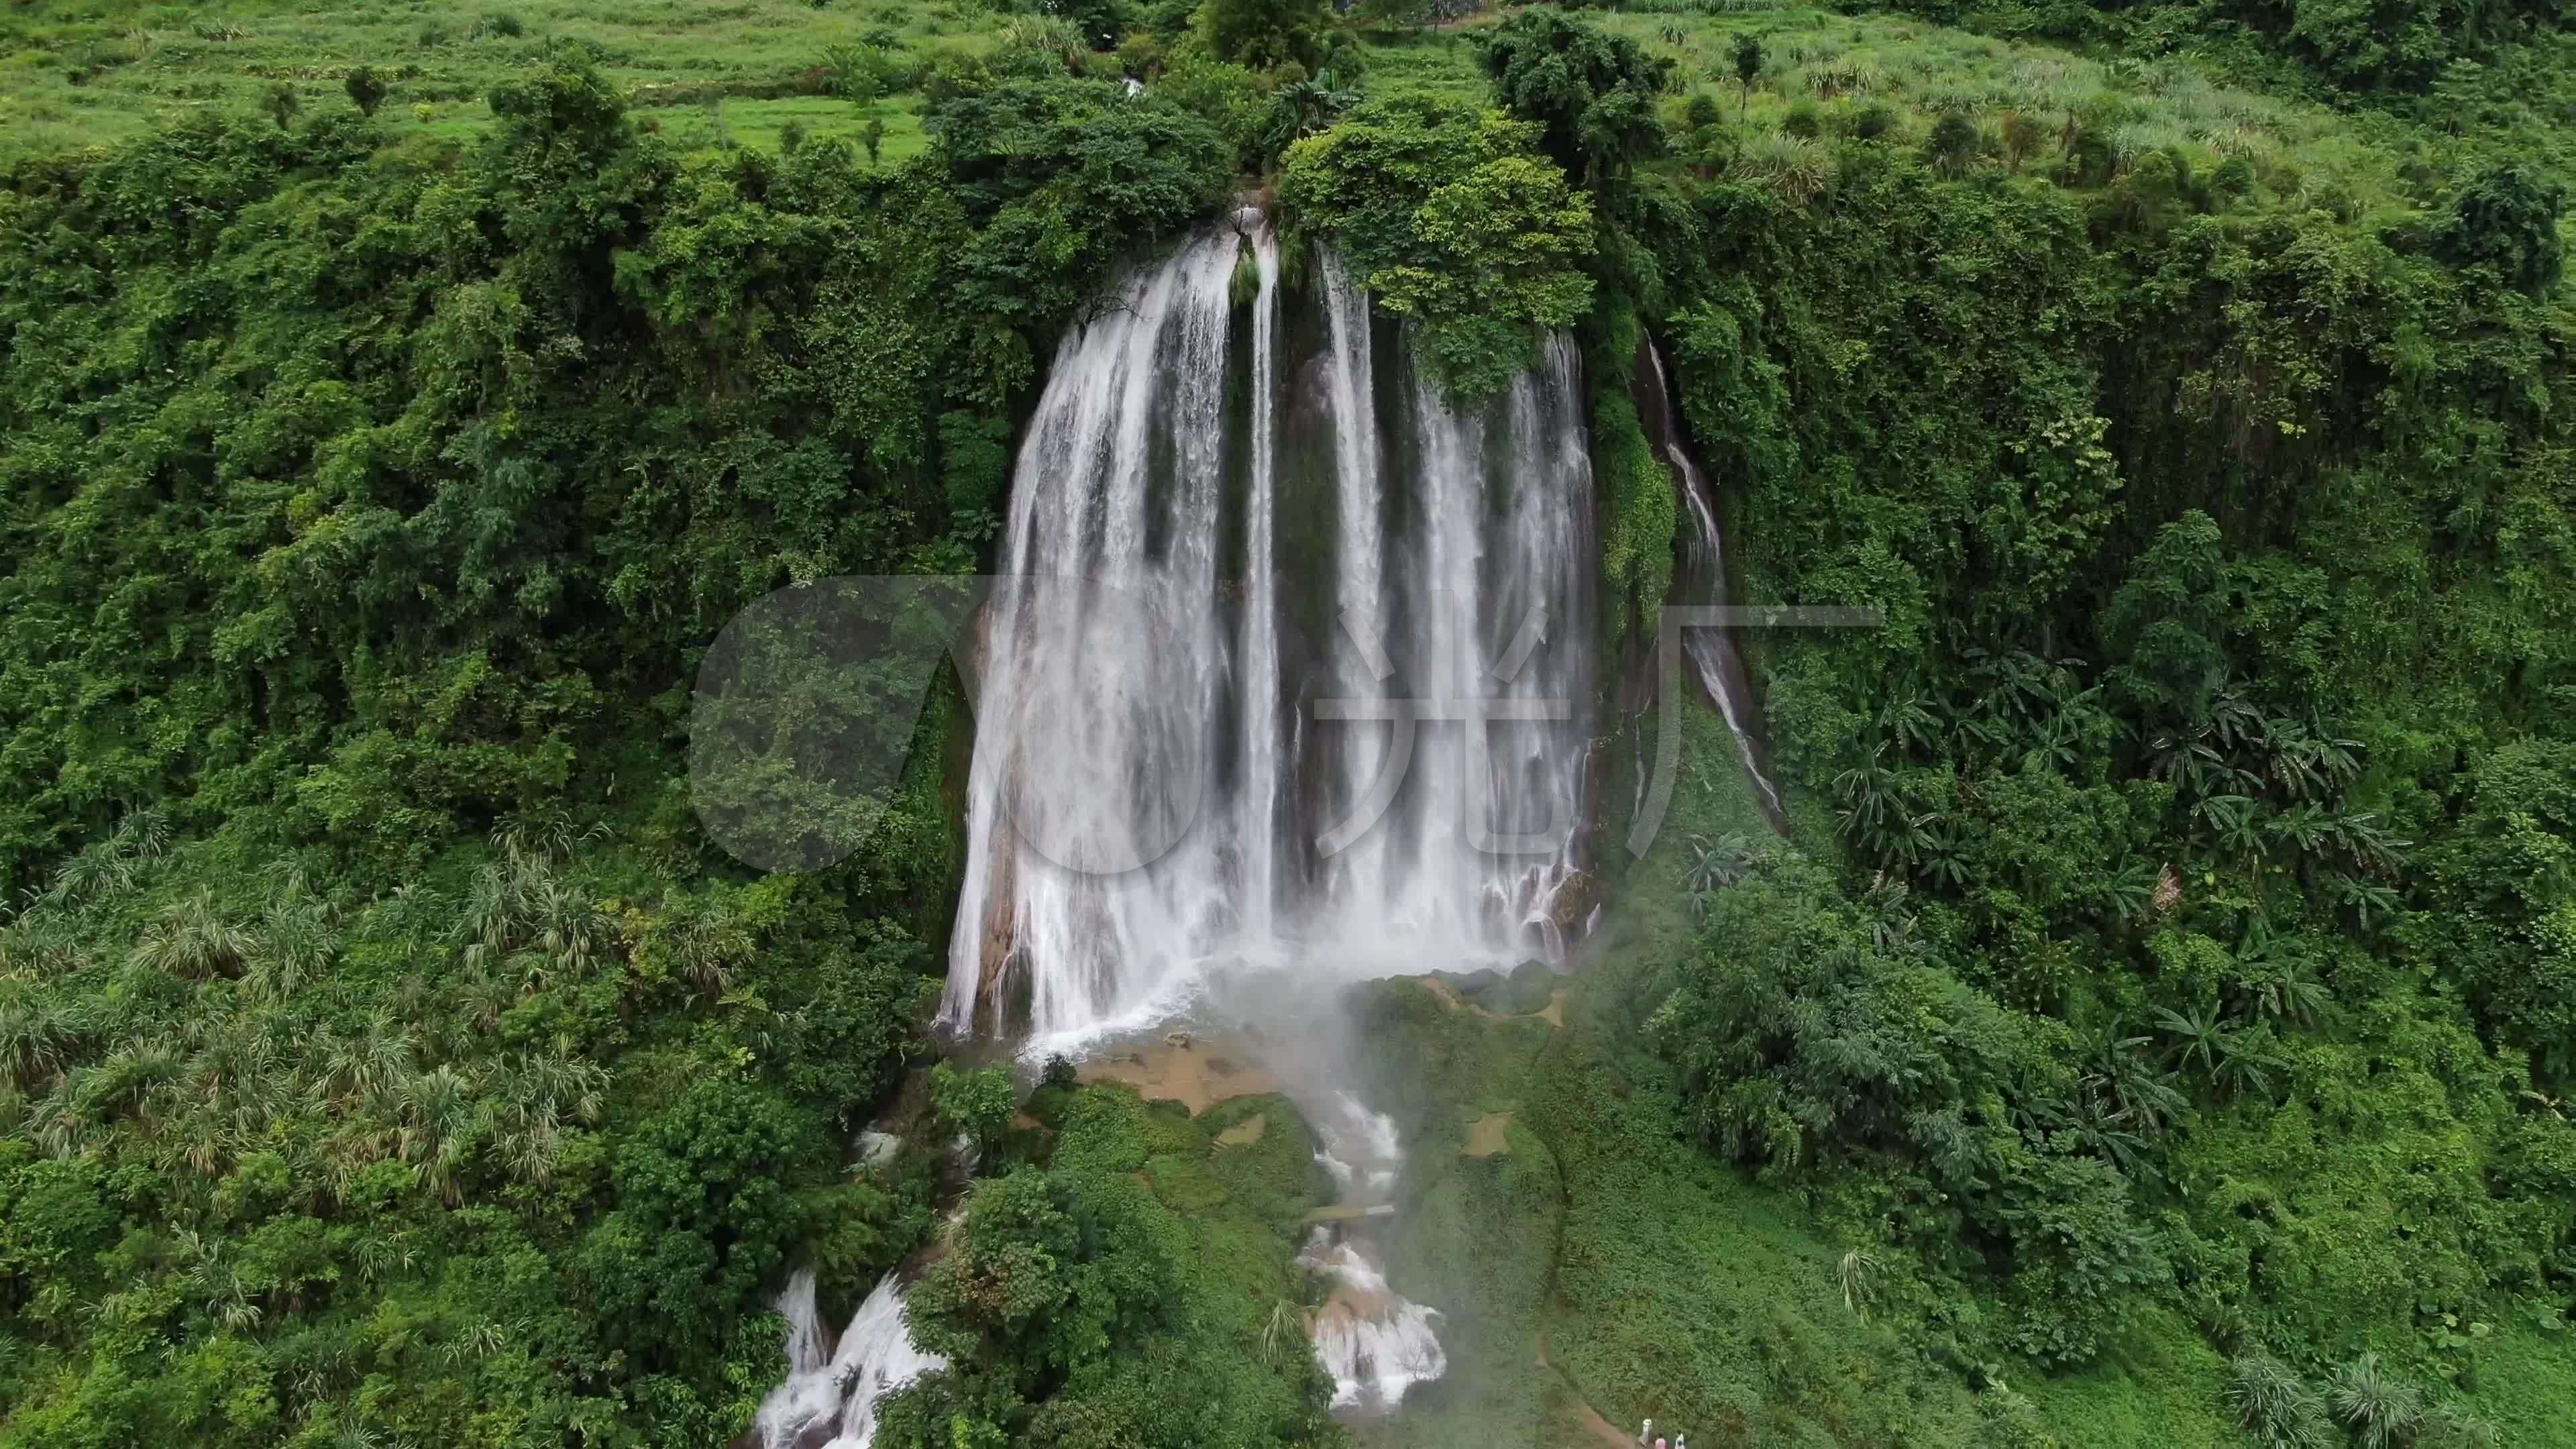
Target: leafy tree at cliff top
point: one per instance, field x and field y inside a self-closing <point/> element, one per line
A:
<point x="1265" y="33"/>
<point x="1447" y="214"/>
<point x="1592" y="93"/>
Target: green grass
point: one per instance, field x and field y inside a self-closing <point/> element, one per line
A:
<point x="2522" y="1381"/>
<point x="758" y="123"/>
<point x="2157" y="1387"/>
<point x="2361" y="167"/>
<point x="87" y="74"/>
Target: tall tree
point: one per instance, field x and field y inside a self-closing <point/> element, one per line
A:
<point x="1266" y="33"/>
<point x="1591" y="93"/>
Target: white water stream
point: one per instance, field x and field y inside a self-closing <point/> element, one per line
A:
<point x="1712" y="652"/>
<point x="830" y="1402"/>
<point x="1375" y="1343"/>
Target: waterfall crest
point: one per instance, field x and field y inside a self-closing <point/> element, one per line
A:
<point x="1289" y="670"/>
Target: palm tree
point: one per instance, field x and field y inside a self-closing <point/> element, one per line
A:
<point x="54" y="1121"/>
<point x="495" y="906"/>
<point x="2132" y="892"/>
<point x="2362" y="838"/>
<point x="2086" y="1124"/>
<point x="38" y="1040"/>
<point x="1891" y="925"/>
<point x="441" y="1120"/>
<point x="1941" y="845"/>
<point x="2364" y="896"/>
<point x="298" y="936"/>
<point x="369" y="1067"/>
<point x="567" y="925"/>
<point x="2241" y="1069"/>
<point x="544" y="838"/>
<point x="2274" y="1405"/>
<point x="2195" y="1035"/>
<point x="1910" y="722"/>
<point x="87" y="876"/>
<point x="2135" y="1091"/>
<point x="2380" y="1408"/>
<point x="1868" y="792"/>
<point x="710" y="951"/>
<point x="1286" y="1327"/>
<point x="1718" y="864"/>
<point x="190" y="940"/>
<point x="1305" y="107"/>
<point x="1858" y="1275"/>
<point x="138" y="1077"/>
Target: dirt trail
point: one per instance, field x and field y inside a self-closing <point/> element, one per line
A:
<point x="1603" y="1431"/>
<point x="1554" y="1012"/>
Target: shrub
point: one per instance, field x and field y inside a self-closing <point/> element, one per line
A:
<point x="2379" y="1408"/>
<point x="2506" y="219"/>
<point x="2274" y="1405"/>
<point x="1953" y="146"/>
<point x="366" y="88"/>
<point x="2024" y="134"/>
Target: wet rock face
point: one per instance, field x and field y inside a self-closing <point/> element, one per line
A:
<point x="1575" y="900"/>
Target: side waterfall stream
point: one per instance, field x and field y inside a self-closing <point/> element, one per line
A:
<point x="1712" y="652"/>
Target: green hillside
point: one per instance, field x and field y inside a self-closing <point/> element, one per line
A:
<point x="2156" y="1026"/>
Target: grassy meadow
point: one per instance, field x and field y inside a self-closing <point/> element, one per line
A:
<point x="739" y="73"/>
<point x="80" y="74"/>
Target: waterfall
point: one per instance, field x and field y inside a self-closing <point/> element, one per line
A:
<point x="1374" y="1343"/>
<point x="1261" y="745"/>
<point x="1712" y="652"/>
<point x="831" y="1403"/>
<point x="1289" y="668"/>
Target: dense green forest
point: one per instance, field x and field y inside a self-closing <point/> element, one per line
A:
<point x="2157" y="1024"/>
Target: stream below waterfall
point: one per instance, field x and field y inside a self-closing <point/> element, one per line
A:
<point x="1375" y="1344"/>
<point x="828" y="1400"/>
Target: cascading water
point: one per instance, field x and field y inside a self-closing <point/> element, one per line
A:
<point x="1186" y="762"/>
<point x="830" y="1403"/>
<point x="1375" y="1344"/>
<point x="1712" y="652"/>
